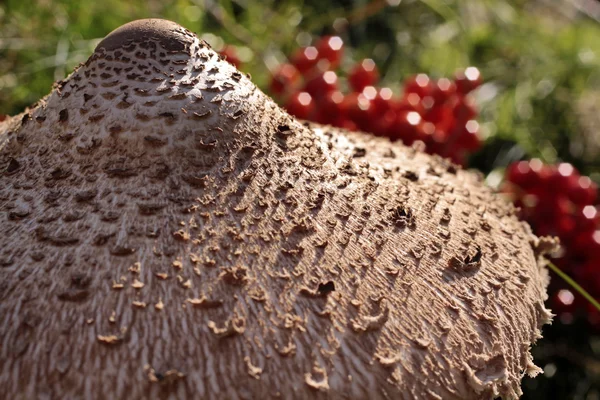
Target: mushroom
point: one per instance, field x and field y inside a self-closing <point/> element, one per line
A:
<point x="169" y="232"/>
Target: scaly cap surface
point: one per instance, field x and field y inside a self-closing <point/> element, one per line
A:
<point x="169" y="232"/>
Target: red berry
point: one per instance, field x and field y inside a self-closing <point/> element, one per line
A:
<point x="545" y="228"/>
<point x="565" y="227"/>
<point x="588" y="275"/>
<point x="285" y="79"/>
<point x="439" y="142"/>
<point x="441" y="115"/>
<point x="383" y="100"/>
<point x="407" y="127"/>
<point x="527" y="174"/>
<point x="464" y="109"/>
<point x="383" y="123"/>
<point x="347" y="124"/>
<point x="419" y="84"/>
<point x="467" y="80"/>
<point x="561" y="177"/>
<point x="593" y="267"/>
<point x="331" y="109"/>
<point x="553" y="206"/>
<point x="360" y="110"/>
<point x="427" y="131"/>
<point x="587" y="218"/>
<point x="458" y="157"/>
<point x="518" y="173"/>
<point x="331" y="48"/>
<point x="300" y="105"/>
<point x="443" y="90"/>
<point x="468" y="137"/>
<point x="528" y="204"/>
<point x="583" y="191"/>
<point x="410" y="102"/>
<point x="304" y="59"/>
<point x="370" y="92"/>
<point x="427" y="103"/>
<point x="363" y="75"/>
<point x="587" y="244"/>
<point x="230" y="54"/>
<point x="321" y="84"/>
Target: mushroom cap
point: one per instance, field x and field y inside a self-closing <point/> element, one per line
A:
<point x="169" y="232"/>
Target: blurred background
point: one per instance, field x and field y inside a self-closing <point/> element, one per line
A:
<point x="539" y="98"/>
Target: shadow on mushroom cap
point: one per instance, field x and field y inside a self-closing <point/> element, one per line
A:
<point x="170" y="232"/>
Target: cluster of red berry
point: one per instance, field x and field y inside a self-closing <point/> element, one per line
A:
<point x="557" y="201"/>
<point x="231" y="55"/>
<point x="437" y="112"/>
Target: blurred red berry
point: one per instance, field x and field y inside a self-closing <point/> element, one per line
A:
<point x="439" y="142"/>
<point x="443" y="90"/>
<point x="554" y="206"/>
<point x="383" y="123"/>
<point x="410" y="102"/>
<point x="370" y="92"/>
<point x="407" y="127"/>
<point x="587" y="218"/>
<point x="331" y="48"/>
<point x="594" y="273"/>
<point x="426" y="133"/>
<point x="300" y="105"/>
<point x="442" y="116"/>
<point x="419" y="84"/>
<point x="427" y="103"/>
<point x="565" y="227"/>
<point x="383" y="100"/>
<point x="230" y="54"/>
<point x="587" y="274"/>
<point x="467" y="80"/>
<point x="463" y="109"/>
<point x="285" y="79"/>
<point x="468" y="137"/>
<point x="363" y="75"/>
<point x="331" y="108"/>
<point x="360" y="110"/>
<point x="587" y="244"/>
<point x="583" y="191"/>
<point x="562" y="176"/>
<point x="348" y="124"/>
<point x="519" y="173"/>
<point x="436" y="112"/>
<point x="458" y="157"/>
<point x="321" y="84"/>
<point x="526" y="174"/>
<point x="305" y="59"/>
<point x="589" y="269"/>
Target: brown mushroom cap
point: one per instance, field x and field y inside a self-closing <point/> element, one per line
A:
<point x="169" y="232"/>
